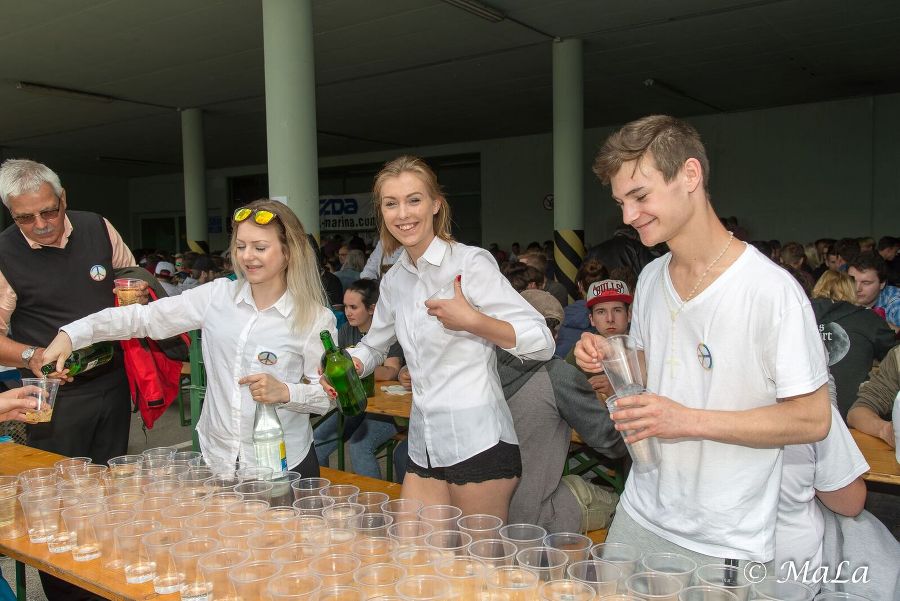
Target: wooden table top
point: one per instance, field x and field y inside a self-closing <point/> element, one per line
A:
<point x="88" y="575"/>
<point x="882" y="459"/>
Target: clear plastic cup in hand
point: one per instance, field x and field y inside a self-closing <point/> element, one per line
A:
<point x="45" y="396"/>
<point x="621" y="364"/>
<point x="128" y="290"/>
<point x="644" y="453"/>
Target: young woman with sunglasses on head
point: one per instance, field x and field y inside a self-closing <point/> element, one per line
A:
<point x="463" y="449"/>
<point x="260" y="336"/>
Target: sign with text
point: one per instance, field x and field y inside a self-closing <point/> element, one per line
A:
<point x="346" y="212"/>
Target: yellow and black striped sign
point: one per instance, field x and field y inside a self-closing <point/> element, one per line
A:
<point x="568" y="253"/>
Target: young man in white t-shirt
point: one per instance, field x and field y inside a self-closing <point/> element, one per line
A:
<point x="734" y="364"/>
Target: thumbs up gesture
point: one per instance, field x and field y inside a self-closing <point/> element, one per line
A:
<point x="455" y="313"/>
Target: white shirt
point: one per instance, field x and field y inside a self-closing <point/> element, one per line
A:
<point x="458" y="405"/>
<point x="236" y="337"/>
<point x="761" y="344"/>
<point x="828" y="465"/>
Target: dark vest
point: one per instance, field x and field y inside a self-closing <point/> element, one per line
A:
<point x="56" y="286"/>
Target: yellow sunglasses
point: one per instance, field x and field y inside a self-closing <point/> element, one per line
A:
<point x="260" y="216"/>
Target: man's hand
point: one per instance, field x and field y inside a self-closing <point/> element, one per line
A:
<point x="404" y="378"/>
<point x="14" y="403"/>
<point x="646" y="415"/>
<point x="266" y="389"/>
<point x="588" y="353"/>
<point x="455" y="313"/>
<point x="600" y="384"/>
<point x="886" y="433"/>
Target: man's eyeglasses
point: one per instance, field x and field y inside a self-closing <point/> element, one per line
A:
<point x="260" y="216"/>
<point x="48" y="215"/>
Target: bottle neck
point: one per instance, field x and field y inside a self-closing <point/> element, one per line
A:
<point x="328" y="343"/>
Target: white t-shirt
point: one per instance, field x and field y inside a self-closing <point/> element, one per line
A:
<point x="828" y="465"/>
<point x="748" y="339"/>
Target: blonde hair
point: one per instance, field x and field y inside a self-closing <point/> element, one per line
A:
<point x="419" y="168"/>
<point x="812" y="255"/>
<point x="837" y="286"/>
<point x="302" y="272"/>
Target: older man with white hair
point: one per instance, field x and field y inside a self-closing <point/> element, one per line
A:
<point x="56" y="266"/>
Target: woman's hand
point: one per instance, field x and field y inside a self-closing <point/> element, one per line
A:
<point x="455" y="313"/>
<point x="14" y="403"/>
<point x="266" y="389"/>
<point x="326" y="385"/>
<point x="57" y="352"/>
<point x="404" y="378"/>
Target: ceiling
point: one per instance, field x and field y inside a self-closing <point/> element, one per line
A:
<point x="397" y="73"/>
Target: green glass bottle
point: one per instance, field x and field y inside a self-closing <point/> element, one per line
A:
<point x="84" y="359"/>
<point x="338" y="367"/>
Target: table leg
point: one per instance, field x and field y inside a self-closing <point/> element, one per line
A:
<point x="340" y="440"/>
<point x="20" y="581"/>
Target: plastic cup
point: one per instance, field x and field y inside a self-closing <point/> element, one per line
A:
<point x="465" y="575"/>
<point x="214" y="568"/>
<point x="282" y="493"/>
<point x="45" y="396"/>
<point x="623" y="555"/>
<point x="371" y="524"/>
<point x="206" y="525"/>
<point x="309" y="529"/>
<point x="340" y="515"/>
<point x="480" y="526"/>
<point x="42" y="509"/>
<point x="335" y="569"/>
<point x="566" y="590"/>
<point x="653" y="586"/>
<point x="105" y="524"/>
<point x="576" y="546"/>
<point x="175" y="516"/>
<point x="514" y="582"/>
<point x="79" y="525"/>
<point x="602" y="576"/>
<point x="494" y="552"/>
<point x="295" y="587"/>
<point x="724" y="576"/>
<point x="440" y="517"/>
<point x="136" y="562"/>
<point x="706" y="593"/>
<point x="158" y="546"/>
<point x="296" y="557"/>
<point x="644" y="453"/>
<point x="248" y="508"/>
<point x="39" y="477"/>
<point x="417" y="560"/>
<point x="673" y="564"/>
<point x="621" y="364"/>
<point x="12" y="517"/>
<point x="166" y="453"/>
<point x="422" y="588"/>
<point x="449" y="543"/>
<point x="306" y="487"/>
<point x="409" y="534"/>
<point x="186" y="556"/>
<point x="548" y="563"/>
<point x="255" y="490"/>
<point x="218" y="501"/>
<point x="194" y="477"/>
<point x="165" y="487"/>
<point x="186" y="455"/>
<point x="216" y="484"/>
<point x="82" y="471"/>
<point x="235" y="534"/>
<point x="128" y="290"/>
<point x="771" y="589"/>
<point x="123" y="500"/>
<point x="372" y="500"/>
<point x="524" y="536"/>
<point x="340" y="593"/>
<point x="274" y="518"/>
<point x="151" y="508"/>
<point x="378" y="579"/>
<point x="402" y="510"/>
<point x="341" y="493"/>
<point x="255" y="473"/>
<point x="124" y="467"/>
<point x="262" y="544"/>
<point x="312" y="504"/>
<point x="373" y="549"/>
<point x="251" y="579"/>
<point x="340" y="540"/>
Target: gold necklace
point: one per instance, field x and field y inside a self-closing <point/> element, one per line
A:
<point x="674" y="313"/>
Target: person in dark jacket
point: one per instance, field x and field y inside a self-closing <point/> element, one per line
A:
<point x="576" y="322"/>
<point x="853" y="335"/>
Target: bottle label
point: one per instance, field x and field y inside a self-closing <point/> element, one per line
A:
<point x="283" y="458"/>
<point x="91" y="365"/>
<point x="271" y="454"/>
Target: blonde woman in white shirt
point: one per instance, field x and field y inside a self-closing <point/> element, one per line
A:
<point x="260" y="336"/>
<point x="462" y="446"/>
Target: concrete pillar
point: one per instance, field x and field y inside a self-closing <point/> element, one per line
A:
<point x="194" y="180"/>
<point x="568" y="161"/>
<point x="291" y="107"/>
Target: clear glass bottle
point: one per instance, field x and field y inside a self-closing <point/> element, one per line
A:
<point x="268" y="439"/>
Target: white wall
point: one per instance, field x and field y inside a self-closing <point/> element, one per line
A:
<point x="792" y="173"/>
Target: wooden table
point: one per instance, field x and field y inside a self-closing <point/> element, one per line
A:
<point x="88" y="575"/>
<point x="882" y="460"/>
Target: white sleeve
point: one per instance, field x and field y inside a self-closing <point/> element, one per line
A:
<point x="838" y="460"/>
<point x="799" y="366"/>
<point x="372" y="350"/>
<point x="486" y="288"/>
<point x="159" y="319"/>
<point x="306" y="394"/>
<point x="372" y="270"/>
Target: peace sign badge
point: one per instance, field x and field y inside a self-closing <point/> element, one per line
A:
<point x="267" y="358"/>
